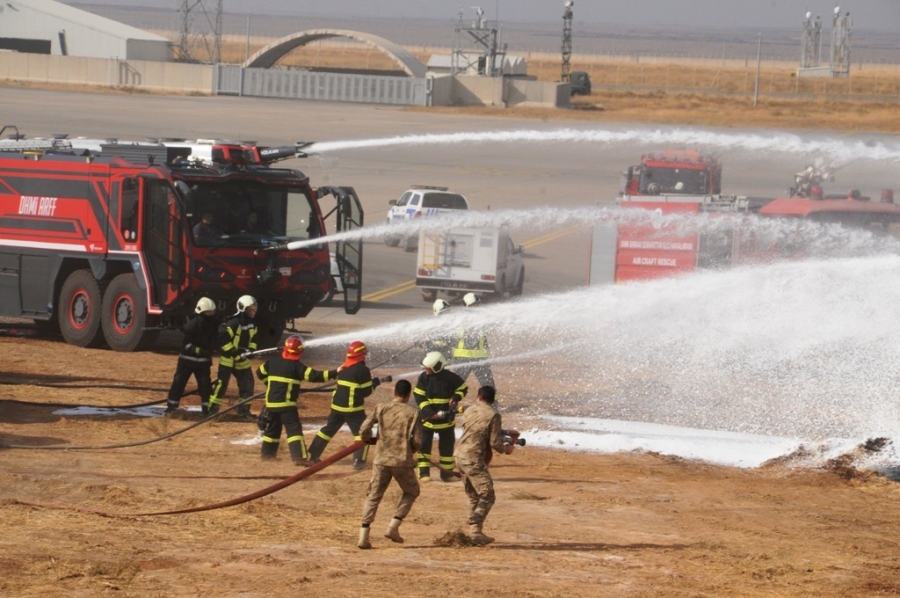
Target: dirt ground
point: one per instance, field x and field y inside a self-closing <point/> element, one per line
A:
<point x="565" y="523"/>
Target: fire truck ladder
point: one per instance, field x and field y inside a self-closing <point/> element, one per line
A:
<point x="431" y="250"/>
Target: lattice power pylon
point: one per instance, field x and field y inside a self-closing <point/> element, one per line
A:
<point x="200" y="41"/>
<point x="567" y="41"/>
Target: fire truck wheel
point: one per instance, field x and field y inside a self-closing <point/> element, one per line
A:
<point x="79" y="310"/>
<point x="124" y="313"/>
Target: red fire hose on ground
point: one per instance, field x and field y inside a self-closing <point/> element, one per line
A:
<point x="219" y="505"/>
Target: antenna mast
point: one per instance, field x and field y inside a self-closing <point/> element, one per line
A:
<point x="567" y="40"/>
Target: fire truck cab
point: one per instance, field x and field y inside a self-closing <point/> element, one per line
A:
<point x="109" y="241"/>
<point x="679" y="172"/>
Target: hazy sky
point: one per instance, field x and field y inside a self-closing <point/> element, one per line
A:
<point x="866" y="14"/>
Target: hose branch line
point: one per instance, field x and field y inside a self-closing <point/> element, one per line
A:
<point x="219" y="505"/>
<point x="64" y="447"/>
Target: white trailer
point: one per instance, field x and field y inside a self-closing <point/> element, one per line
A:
<point x="461" y="260"/>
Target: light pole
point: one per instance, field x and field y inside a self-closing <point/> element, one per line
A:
<point x="758" y="55"/>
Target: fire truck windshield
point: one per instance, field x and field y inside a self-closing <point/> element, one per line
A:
<point x="656" y="180"/>
<point x="249" y="213"/>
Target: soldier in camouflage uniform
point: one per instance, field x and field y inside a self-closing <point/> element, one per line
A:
<point x="399" y="437"/>
<point x="481" y="433"/>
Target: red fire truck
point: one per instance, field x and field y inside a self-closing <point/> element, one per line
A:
<point x="682" y="172"/>
<point x="641" y="248"/>
<point x="112" y="241"/>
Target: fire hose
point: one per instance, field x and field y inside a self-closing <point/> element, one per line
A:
<point x="219" y="505"/>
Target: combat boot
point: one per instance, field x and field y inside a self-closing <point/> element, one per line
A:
<point x="447" y="476"/>
<point x="476" y="536"/>
<point x="363" y="538"/>
<point x="393" y="531"/>
<point x="243" y="411"/>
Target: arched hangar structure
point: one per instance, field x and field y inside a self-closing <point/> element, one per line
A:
<point x="271" y="54"/>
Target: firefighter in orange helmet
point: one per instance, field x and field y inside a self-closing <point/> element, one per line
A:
<point x="354" y="384"/>
<point x="283" y="375"/>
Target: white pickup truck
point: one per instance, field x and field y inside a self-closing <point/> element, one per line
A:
<point x="461" y="260"/>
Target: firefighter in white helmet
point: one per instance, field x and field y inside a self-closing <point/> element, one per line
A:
<point x="237" y="337"/>
<point x="438" y="392"/>
<point x="198" y="341"/>
<point x="470" y="349"/>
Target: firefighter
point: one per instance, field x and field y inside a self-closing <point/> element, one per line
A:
<point x="438" y="393"/>
<point x="443" y="342"/>
<point x="283" y="375"/>
<point x="399" y="437"/>
<point x="198" y="341"/>
<point x="236" y="339"/>
<point x="472" y="346"/>
<point x="354" y="384"/>
<point x="481" y="430"/>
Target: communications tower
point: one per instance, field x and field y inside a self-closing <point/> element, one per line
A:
<point x="811" y="39"/>
<point x="567" y="40"/>
<point x="840" y="43"/>
<point x="488" y="58"/>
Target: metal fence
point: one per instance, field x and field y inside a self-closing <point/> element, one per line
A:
<point x="309" y="85"/>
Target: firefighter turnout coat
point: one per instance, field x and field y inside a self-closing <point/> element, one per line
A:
<point x="434" y="393"/>
<point x="283" y="378"/>
<point x="354" y="384"/>
<point x="237" y="336"/>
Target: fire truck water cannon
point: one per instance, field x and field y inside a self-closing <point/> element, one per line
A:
<point x="808" y="182"/>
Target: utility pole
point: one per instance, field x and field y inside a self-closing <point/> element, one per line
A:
<point x="758" y="60"/>
<point x="567" y="40"/>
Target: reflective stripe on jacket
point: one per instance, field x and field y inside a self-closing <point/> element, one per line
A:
<point x="471" y="346"/>
<point x="237" y="336"/>
<point x="283" y="377"/>
<point x="354" y="384"/>
<point x="434" y="393"/>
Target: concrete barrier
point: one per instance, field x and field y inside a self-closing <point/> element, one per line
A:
<point x="76" y="70"/>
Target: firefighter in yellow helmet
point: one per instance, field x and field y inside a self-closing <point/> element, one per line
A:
<point x="237" y="337"/>
<point x="438" y="392"/>
<point x="283" y="375"/>
<point x="354" y="384"/>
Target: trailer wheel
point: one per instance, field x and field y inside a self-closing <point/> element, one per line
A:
<point x="429" y="295"/>
<point x="79" y="313"/>
<point x="125" y="315"/>
<point x="411" y="244"/>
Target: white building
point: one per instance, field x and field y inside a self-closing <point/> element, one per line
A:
<point x="50" y="27"/>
